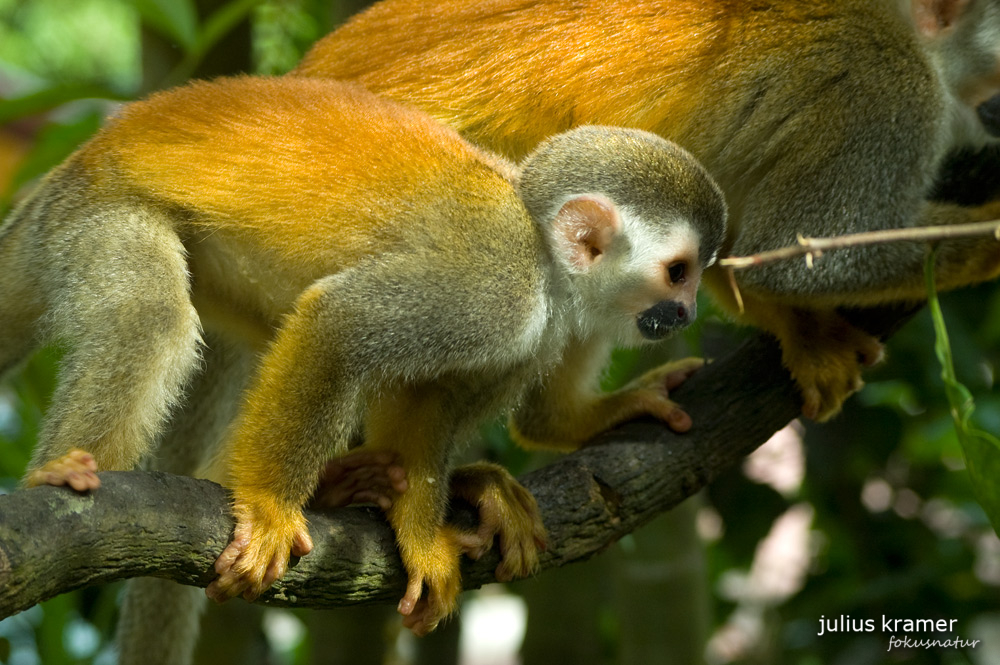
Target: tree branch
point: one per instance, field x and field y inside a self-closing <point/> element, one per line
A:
<point x="53" y="540"/>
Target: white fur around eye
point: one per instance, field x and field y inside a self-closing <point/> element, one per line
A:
<point x="650" y="246"/>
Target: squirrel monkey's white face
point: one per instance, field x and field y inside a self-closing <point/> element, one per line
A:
<point x="657" y="270"/>
<point x="636" y="279"/>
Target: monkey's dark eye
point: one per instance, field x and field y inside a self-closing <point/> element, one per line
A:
<point x="677" y="272"/>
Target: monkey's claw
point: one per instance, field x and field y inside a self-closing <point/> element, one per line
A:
<point x="506" y="509"/>
<point x="258" y="554"/>
<point x="77" y="468"/>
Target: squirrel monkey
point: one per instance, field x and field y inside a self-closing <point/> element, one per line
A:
<point x="400" y="284"/>
<point x="816" y="117"/>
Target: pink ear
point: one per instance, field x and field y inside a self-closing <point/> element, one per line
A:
<point x="935" y="16"/>
<point x="587" y="224"/>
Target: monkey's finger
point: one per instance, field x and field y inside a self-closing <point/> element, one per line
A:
<point x="489" y="528"/>
<point x="364" y="479"/>
<point x="336" y="500"/>
<point x="367" y="461"/>
<point x="414" y="589"/>
<point x="679" y="421"/>
<point x="397" y="476"/>
<point x="539" y="534"/>
<point x="343" y="479"/>
<point x="82" y="471"/>
<point x="274" y="572"/>
<point x="530" y="507"/>
<point x="520" y="555"/>
<point x="681" y="371"/>
<point x="83" y="481"/>
<point x="242" y="579"/>
<point x="302" y="543"/>
<point x="234" y="549"/>
<point x="381" y="499"/>
<point x="332" y="497"/>
<point x="811" y="400"/>
<point x="512" y="561"/>
<point x="226" y="586"/>
<point x="419" y="621"/>
<point x="511" y="566"/>
<point x="383" y="502"/>
<point x="871" y="354"/>
<point x="215" y="592"/>
<point x="376" y="484"/>
<point x="388" y="477"/>
<point x="219" y="591"/>
<point x="79" y="459"/>
<point x="473" y="544"/>
<point x="365" y="458"/>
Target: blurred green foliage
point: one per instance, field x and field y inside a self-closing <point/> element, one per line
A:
<point x="896" y="529"/>
<point x="980" y="449"/>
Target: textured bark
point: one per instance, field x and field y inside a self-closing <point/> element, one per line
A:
<point x="53" y="540"/>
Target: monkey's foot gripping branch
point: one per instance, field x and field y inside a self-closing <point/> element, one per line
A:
<point x="506" y="509"/>
<point x="76" y="469"/>
<point x="258" y="553"/>
<point x="55" y="540"/>
<point x="436" y="565"/>
<point x="829" y="372"/>
<point x="361" y="476"/>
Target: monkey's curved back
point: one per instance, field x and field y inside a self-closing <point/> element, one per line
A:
<point x="509" y="73"/>
<point x="302" y="165"/>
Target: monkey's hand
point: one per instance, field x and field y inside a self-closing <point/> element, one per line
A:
<point x="507" y="510"/>
<point x="649" y="394"/>
<point x="562" y="417"/>
<point x="435" y="564"/>
<point x="77" y="468"/>
<point x="265" y="534"/>
<point x="827" y="362"/>
<point x="364" y="476"/>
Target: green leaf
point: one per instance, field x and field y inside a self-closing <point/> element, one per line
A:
<point x="213" y="29"/>
<point x="980" y="449"/>
<point x="55" y="143"/>
<point x="50" y="98"/>
<point x="174" y="19"/>
<point x="222" y="22"/>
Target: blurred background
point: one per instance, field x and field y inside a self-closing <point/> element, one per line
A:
<point x="868" y="516"/>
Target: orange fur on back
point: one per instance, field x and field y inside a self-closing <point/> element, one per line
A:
<point x="509" y="73"/>
<point x="297" y="166"/>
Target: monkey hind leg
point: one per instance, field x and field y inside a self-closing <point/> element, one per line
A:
<point x="21" y="304"/>
<point x="119" y="302"/>
<point x="418" y="423"/>
<point x="159" y="622"/>
<point x="199" y="426"/>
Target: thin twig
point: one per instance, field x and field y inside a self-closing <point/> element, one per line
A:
<point x="813" y="248"/>
<point x="734" y="285"/>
